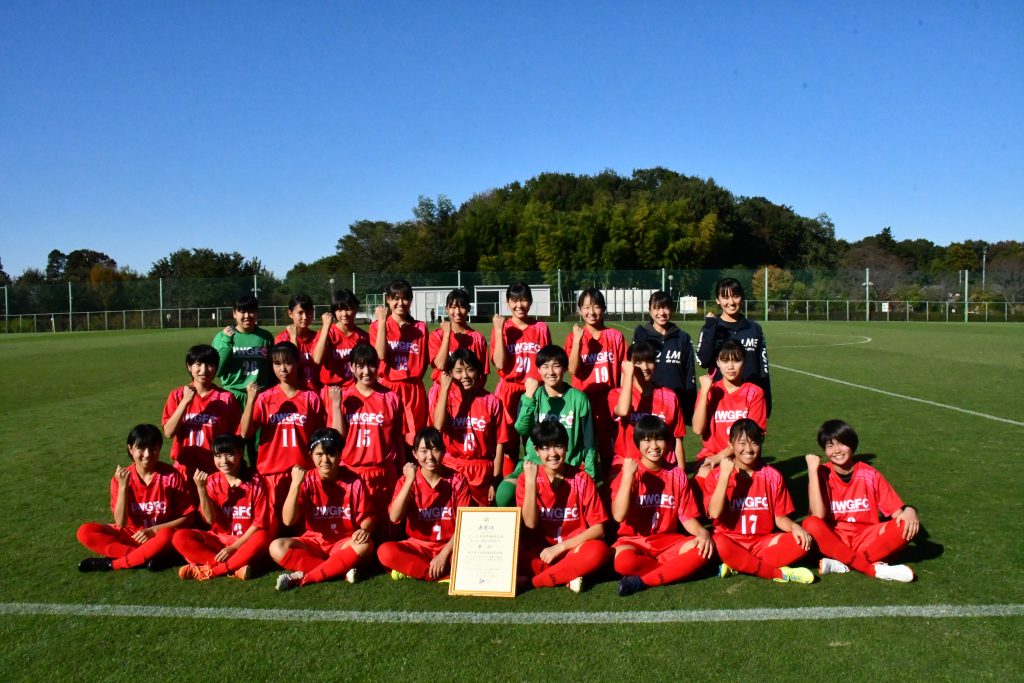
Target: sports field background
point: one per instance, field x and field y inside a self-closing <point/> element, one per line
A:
<point x="68" y="400"/>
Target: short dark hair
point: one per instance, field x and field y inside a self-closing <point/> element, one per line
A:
<point x="202" y="353"/>
<point x="228" y="443"/>
<point x="457" y="296"/>
<point x="660" y="299"/>
<point x="838" y="430"/>
<point x="595" y="296"/>
<point x="651" y="427"/>
<point x="344" y="299"/>
<point x="467" y="357"/>
<point x="642" y="351"/>
<point x="285" y="351"/>
<point x="302" y="301"/>
<point x="247" y="302"/>
<point x="731" y="350"/>
<point x="430" y="436"/>
<point x="552" y="352"/>
<point x="330" y="440"/>
<point x="145" y="436"/>
<point x="399" y="289"/>
<point x="364" y="354"/>
<point x="728" y="286"/>
<point x="748" y="428"/>
<point x="519" y="290"/>
<point x="549" y="433"/>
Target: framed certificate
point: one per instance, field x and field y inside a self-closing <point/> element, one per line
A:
<point x="486" y="552"/>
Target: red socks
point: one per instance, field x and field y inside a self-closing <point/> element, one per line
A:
<point x="580" y="561"/>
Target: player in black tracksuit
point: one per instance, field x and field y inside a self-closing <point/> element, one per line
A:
<point x="732" y="324"/>
<point x="675" y="363"/>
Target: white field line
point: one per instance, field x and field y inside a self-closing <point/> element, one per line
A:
<point x="901" y="396"/>
<point x="860" y="340"/>
<point x="515" y="618"/>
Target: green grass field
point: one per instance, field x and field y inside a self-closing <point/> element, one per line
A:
<point x="70" y="399"/>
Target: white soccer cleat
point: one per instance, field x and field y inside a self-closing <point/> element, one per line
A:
<point x="576" y="585"/>
<point x="829" y="566"/>
<point x="893" y="572"/>
<point x="284" y="582"/>
<point x="352" y="575"/>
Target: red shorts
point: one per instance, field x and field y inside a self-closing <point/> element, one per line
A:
<point x="655" y="545"/>
<point x="425" y="550"/>
<point x="755" y="545"/>
<point x="478" y="473"/>
<point x="508" y="394"/>
<point x="277" y="484"/>
<point x="317" y="542"/>
<point x="414" y="401"/>
<point x="380" y="486"/>
<point x="860" y="536"/>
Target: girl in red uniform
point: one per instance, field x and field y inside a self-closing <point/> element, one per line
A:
<point x="401" y="344"/>
<point x="847" y="497"/>
<point x="454" y="334"/>
<point x="748" y="500"/>
<point x="335" y="341"/>
<point x="562" y="513"/>
<point x="233" y="501"/>
<point x="650" y="500"/>
<point x="471" y="422"/>
<point x="300" y="311"/>
<point x="721" y="403"/>
<point x="148" y="499"/>
<point x="595" y="354"/>
<point x="426" y="499"/>
<point x="331" y="503"/>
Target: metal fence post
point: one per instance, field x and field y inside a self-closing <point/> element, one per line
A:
<point x="966" y="273"/>
<point x="560" y="293"/>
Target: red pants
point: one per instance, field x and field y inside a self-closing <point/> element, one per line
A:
<point x="580" y="561"/>
<point x="412" y="557"/>
<point x="201" y="547"/>
<point x="857" y="548"/>
<point x="754" y="554"/>
<point x="118" y="544"/>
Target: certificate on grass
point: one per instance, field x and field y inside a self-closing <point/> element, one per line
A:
<point x="486" y="552"/>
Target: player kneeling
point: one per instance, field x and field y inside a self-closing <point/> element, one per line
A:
<point x="562" y="513"/>
<point x="846" y="499"/>
<point x="332" y="502"/>
<point x="426" y="499"/>
<point x="748" y="500"/>
<point x="649" y="500"/>
<point x="234" y="502"/>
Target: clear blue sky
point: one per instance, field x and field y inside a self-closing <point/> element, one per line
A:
<point x="138" y="128"/>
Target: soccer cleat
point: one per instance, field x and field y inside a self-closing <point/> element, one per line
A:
<point x="352" y="575"/>
<point x="395" y="576"/>
<point x="795" y="575"/>
<point x="285" y="581"/>
<point x="243" y="573"/>
<point x="725" y="570"/>
<point x="96" y="564"/>
<point x="576" y="585"/>
<point x="829" y="566"/>
<point x="630" y="584"/>
<point x="893" y="572"/>
<point x="195" y="572"/>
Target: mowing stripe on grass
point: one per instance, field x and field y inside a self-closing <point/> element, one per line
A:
<point x="515" y="618"/>
<point x="902" y="396"/>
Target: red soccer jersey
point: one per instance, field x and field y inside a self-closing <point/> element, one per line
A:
<point x="334" y="509"/>
<point x="860" y="502"/>
<point x="205" y="418"/>
<point x="724" y="409"/>
<point x="244" y="505"/>
<point x="658" y="500"/>
<point x="475" y="425"/>
<point x="751" y="502"/>
<point x="473" y="340"/>
<point x="521" y="347"/>
<point x="406" y="356"/>
<point x="661" y="402"/>
<point x="373" y="428"/>
<point x="430" y="511"/>
<point x="600" y="361"/>
<point x="285" y="426"/>
<point x="566" y="511"/>
<point x="309" y="372"/>
<point x="334" y="368"/>
<point x="164" y="499"/>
